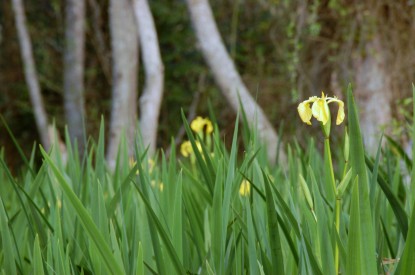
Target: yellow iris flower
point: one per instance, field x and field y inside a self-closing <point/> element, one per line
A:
<point x="320" y="109"/>
<point x="245" y="188"/>
<point x="186" y="148"/>
<point x="132" y="163"/>
<point x="160" y="185"/>
<point x="151" y="164"/>
<point x="199" y="124"/>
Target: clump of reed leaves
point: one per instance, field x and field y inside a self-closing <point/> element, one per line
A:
<point x="188" y="217"/>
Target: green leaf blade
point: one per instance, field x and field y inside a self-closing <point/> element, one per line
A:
<point x="357" y="160"/>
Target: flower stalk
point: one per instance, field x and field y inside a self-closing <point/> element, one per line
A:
<point x="320" y="111"/>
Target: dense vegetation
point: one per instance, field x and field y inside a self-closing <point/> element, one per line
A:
<point x="207" y="210"/>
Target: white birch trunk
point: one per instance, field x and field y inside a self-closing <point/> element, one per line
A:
<point x="373" y="94"/>
<point x="124" y="43"/>
<point x="150" y="100"/>
<point x="227" y="76"/>
<point x="73" y="82"/>
<point x="30" y="73"/>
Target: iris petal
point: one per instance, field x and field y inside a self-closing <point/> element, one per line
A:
<point x="186" y="149"/>
<point x="320" y="110"/>
<point x="305" y="112"/>
<point x="197" y="124"/>
<point x="245" y="188"/>
<point x="340" y="112"/>
<point x="200" y="124"/>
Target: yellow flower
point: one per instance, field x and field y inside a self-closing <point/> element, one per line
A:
<point x="160" y="185"/>
<point x="199" y="124"/>
<point x="151" y="164"/>
<point x="132" y="162"/>
<point x="320" y="109"/>
<point x="186" y="148"/>
<point x="245" y="188"/>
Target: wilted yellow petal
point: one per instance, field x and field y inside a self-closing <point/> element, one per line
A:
<point x="245" y="188"/>
<point x="340" y="112"/>
<point x="304" y="111"/>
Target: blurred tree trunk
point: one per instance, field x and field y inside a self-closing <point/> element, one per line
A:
<point x="124" y="43"/>
<point x="150" y="100"/>
<point x="373" y="92"/>
<point x="227" y="76"/>
<point x="30" y="74"/>
<point x="99" y="39"/>
<point x="74" y="71"/>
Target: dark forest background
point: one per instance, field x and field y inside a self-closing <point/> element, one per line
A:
<point x="285" y="52"/>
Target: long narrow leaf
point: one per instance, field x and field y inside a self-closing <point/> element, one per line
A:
<point x="355" y="259"/>
<point x="7" y="246"/>
<point x="273" y="230"/>
<point x="407" y="263"/>
<point x="163" y="234"/>
<point x="357" y="159"/>
<point x="393" y="200"/>
<point x="87" y="222"/>
<point x="37" y="258"/>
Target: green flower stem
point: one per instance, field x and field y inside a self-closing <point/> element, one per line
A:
<point x="329" y="167"/>
<point x="337" y="225"/>
<point x="337" y="217"/>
